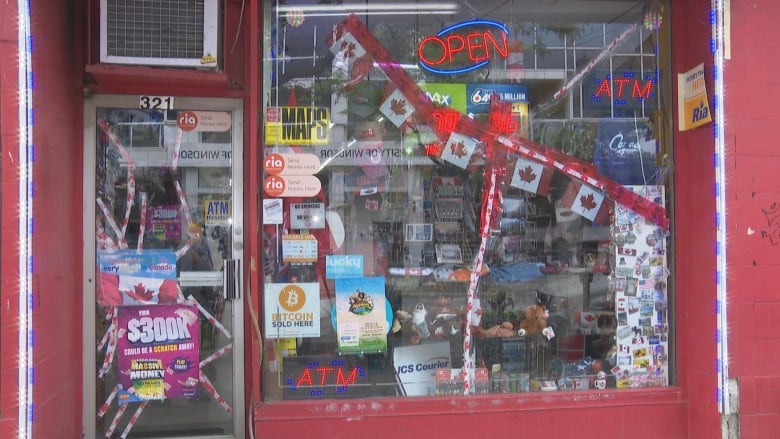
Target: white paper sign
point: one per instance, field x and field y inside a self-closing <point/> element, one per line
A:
<point x="272" y="211"/>
<point x="416" y="366"/>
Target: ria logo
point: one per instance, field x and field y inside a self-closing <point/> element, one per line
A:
<point x="438" y="52"/>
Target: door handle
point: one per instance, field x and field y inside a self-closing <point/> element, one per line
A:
<point x="231" y="279"/>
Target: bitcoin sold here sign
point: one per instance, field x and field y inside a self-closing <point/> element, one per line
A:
<point x="292" y="310"/>
<point x="297" y="126"/>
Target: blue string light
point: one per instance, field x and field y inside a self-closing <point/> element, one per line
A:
<point x="26" y="116"/>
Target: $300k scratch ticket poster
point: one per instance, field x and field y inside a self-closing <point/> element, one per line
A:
<point x="158" y="350"/>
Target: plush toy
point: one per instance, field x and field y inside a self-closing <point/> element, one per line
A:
<point x="534" y="320"/>
<point x="419" y="317"/>
<point x="445" y="321"/>
<point x="505" y="329"/>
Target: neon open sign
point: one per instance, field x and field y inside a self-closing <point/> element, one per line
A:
<point x="442" y="52"/>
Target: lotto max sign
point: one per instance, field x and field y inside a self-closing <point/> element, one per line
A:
<point x="479" y="95"/>
<point x="343" y="266"/>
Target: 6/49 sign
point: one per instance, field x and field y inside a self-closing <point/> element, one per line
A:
<point x="297" y="126"/>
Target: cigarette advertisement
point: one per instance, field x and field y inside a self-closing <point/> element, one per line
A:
<point x="158" y="350"/>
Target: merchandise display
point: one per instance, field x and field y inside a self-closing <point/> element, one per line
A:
<point x="488" y="240"/>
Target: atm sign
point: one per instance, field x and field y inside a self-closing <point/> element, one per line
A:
<point x="217" y="212"/>
<point x="297" y="126"/>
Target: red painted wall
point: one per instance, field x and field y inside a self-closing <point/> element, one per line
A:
<point x="695" y="259"/>
<point x="9" y="237"/>
<point x="751" y="96"/>
<point x="57" y="221"/>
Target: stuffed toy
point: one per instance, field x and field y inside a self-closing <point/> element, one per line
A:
<point x="419" y="317"/>
<point x="445" y="321"/>
<point x="505" y="329"/>
<point x="534" y="320"/>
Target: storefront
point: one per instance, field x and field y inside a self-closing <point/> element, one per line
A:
<point x="392" y="219"/>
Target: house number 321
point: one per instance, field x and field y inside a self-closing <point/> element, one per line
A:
<point x="156" y="103"/>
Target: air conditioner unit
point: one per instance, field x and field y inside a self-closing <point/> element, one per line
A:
<point x="180" y="33"/>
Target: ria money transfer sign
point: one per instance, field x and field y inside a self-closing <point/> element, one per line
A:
<point x="158" y="350"/>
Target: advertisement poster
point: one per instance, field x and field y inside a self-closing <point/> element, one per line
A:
<point x="158" y="352"/>
<point x="131" y="278"/>
<point x="692" y="103"/>
<point x="479" y="96"/>
<point x="164" y="222"/>
<point x="416" y="366"/>
<point x="299" y="252"/>
<point x="361" y="315"/>
<point x="445" y="94"/>
<point x="292" y="310"/>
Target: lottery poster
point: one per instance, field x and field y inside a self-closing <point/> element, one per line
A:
<point x="158" y="350"/>
<point x="164" y="222"/>
<point x="131" y="278"/>
<point x="641" y="300"/>
<point x="361" y="315"/>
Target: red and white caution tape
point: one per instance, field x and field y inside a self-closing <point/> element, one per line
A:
<point x="184" y="208"/>
<point x="142" y="225"/>
<point x="176" y="150"/>
<point x="191" y="300"/>
<point x="115" y="421"/>
<point x="134" y="419"/>
<point x="600" y="57"/>
<point x="112" y="224"/>
<point x="104" y="408"/>
<point x="216" y="355"/>
<point x="130" y="176"/>
<point x="468" y="358"/>
<point x="112" y="339"/>
<point x="214" y="394"/>
<point x="103" y="241"/>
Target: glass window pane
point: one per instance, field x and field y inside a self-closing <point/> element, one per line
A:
<point x="446" y="201"/>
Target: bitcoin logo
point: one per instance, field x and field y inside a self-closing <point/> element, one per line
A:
<point x="292" y="298"/>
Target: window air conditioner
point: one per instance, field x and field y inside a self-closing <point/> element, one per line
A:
<point x="175" y="33"/>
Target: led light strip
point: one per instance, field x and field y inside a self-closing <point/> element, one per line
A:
<point x="717" y="21"/>
<point x="25" y="159"/>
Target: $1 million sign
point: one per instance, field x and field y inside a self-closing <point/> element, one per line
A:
<point x="292" y="310"/>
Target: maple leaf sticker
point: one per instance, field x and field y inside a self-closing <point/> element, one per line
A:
<point x="140" y="293"/>
<point x="527" y="175"/>
<point x="458" y="149"/>
<point x="397" y="106"/>
<point x="588" y="202"/>
<point x="349" y="47"/>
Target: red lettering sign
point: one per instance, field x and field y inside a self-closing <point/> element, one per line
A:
<point x="439" y="53"/>
<point x="618" y="89"/>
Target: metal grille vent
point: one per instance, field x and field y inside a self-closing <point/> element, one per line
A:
<point x="164" y="32"/>
<point x="155" y="28"/>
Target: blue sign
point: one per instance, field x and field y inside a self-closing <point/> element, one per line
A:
<point x="479" y="95"/>
<point x="343" y="266"/>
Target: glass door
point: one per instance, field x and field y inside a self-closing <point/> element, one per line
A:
<point x="163" y="248"/>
